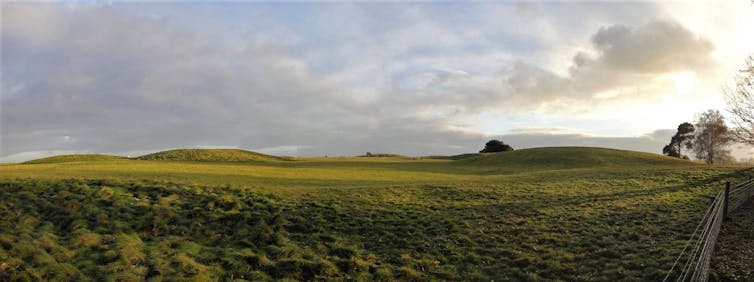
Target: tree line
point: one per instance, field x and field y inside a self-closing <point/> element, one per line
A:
<point x="710" y="137"/>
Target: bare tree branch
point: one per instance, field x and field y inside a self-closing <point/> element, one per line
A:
<point x="740" y="100"/>
<point x="712" y="138"/>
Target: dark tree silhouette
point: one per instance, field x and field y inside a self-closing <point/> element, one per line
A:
<point x="683" y="138"/>
<point x="496" y="146"/>
<point x="671" y="151"/>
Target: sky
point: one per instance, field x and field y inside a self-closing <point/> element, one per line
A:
<point x="345" y="78"/>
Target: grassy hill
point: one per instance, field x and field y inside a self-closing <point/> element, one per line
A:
<point x="570" y="214"/>
<point x="75" y="158"/>
<point x="210" y="155"/>
<point x="570" y="157"/>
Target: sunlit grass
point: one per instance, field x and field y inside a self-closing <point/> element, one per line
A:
<point x="614" y="215"/>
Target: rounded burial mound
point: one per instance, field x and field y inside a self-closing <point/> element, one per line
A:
<point x="74" y="158"/>
<point x="210" y="155"/>
<point x="570" y="157"/>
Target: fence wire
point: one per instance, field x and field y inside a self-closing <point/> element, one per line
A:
<point x="692" y="264"/>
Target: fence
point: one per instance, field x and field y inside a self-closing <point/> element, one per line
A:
<point x="693" y="262"/>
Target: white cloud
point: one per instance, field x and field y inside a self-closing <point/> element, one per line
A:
<point x="404" y="78"/>
<point x="625" y="69"/>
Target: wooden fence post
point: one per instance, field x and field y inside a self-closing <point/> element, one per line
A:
<point x="725" y="199"/>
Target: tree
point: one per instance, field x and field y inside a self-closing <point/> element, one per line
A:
<point x="682" y="138"/>
<point x="740" y="100"/>
<point x="496" y="146"/>
<point x="712" y="137"/>
<point x="671" y="151"/>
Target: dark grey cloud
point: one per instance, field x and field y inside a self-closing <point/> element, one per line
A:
<point x="658" y="46"/>
<point x="105" y="81"/>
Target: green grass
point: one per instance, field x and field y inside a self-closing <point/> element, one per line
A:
<point x="75" y="158"/>
<point x="210" y="155"/>
<point x="538" y="214"/>
<point x="570" y="157"/>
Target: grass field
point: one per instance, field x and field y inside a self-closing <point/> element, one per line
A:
<point x="538" y="214"/>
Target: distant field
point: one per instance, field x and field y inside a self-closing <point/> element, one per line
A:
<point x="538" y="214"/>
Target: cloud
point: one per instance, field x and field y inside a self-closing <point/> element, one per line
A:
<point x="622" y="65"/>
<point x="109" y="81"/>
<point x="415" y="79"/>
<point x="626" y="65"/>
<point x="547" y="131"/>
<point x="658" y="46"/>
<point x="113" y="82"/>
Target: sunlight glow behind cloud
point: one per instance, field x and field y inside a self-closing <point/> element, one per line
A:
<point x="345" y="78"/>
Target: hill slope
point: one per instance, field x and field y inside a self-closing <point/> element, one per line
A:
<point x="210" y="155"/>
<point x="569" y="157"/>
<point x="74" y="158"/>
<point x="375" y="219"/>
<point x="337" y="220"/>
